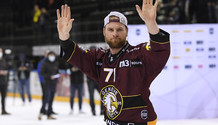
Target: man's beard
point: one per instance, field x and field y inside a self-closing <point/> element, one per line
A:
<point x="115" y="43"/>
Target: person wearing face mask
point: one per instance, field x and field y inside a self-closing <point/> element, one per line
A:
<point x="3" y="82"/>
<point x="40" y="76"/>
<point x="49" y="72"/>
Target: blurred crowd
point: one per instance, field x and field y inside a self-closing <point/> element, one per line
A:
<point x="187" y="11"/>
<point x="169" y="11"/>
<point x="50" y="70"/>
<point x="36" y="20"/>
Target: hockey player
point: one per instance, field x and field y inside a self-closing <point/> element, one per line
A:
<point x="124" y="72"/>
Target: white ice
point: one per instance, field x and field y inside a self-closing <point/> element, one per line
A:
<point x="27" y="115"/>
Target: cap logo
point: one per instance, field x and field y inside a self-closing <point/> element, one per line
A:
<point x="123" y="21"/>
<point x="114" y="20"/>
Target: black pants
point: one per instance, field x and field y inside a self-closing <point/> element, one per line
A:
<point x="92" y="85"/>
<point x="73" y="88"/>
<point x="3" y="90"/>
<point x="43" y="92"/>
<point x="50" y="90"/>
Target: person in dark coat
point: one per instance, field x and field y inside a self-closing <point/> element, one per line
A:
<point x="3" y="81"/>
<point x="77" y="80"/>
<point x="49" y="72"/>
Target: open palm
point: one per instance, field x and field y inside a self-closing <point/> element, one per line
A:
<point x="64" y="22"/>
<point x="148" y="11"/>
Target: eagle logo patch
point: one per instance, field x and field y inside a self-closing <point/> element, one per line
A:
<point x="112" y="100"/>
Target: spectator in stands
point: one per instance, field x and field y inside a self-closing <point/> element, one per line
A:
<point x="184" y="11"/>
<point x="202" y="11"/>
<point x="42" y="83"/>
<point x="44" y="25"/>
<point x="36" y="15"/>
<point x="44" y="21"/>
<point x="49" y="72"/>
<point x="212" y="11"/>
<point x="77" y="80"/>
<point x="216" y="10"/>
<point x="161" y="13"/>
<point x="172" y="11"/>
<point x="24" y="68"/>
<point x="3" y="82"/>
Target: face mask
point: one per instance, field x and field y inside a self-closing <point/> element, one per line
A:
<point x="51" y="58"/>
<point x="1" y="54"/>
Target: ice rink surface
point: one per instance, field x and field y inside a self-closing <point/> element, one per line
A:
<point x="28" y="115"/>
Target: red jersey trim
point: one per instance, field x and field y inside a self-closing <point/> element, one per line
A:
<point x="72" y="52"/>
<point x="160" y="42"/>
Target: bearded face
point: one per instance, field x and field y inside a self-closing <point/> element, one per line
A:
<point x="115" y="34"/>
<point x="115" y="42"/>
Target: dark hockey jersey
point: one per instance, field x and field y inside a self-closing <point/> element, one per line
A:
<point x="124" y="79"/>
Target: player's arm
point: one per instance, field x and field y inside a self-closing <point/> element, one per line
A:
<point x="148" y="14"/>
<point x="159" y="51"/>
<point x="64" y="26"/>
<point x="70" y="51"/>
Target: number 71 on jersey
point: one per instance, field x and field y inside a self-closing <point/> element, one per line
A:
<point x="110" y="72"/>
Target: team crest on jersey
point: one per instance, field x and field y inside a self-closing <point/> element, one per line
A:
<point x="112" y="100"/>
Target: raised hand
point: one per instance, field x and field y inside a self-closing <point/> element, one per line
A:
<point x="148" y="14"/>
<point x="64" y="22"/>
<point x="148" y="11"/>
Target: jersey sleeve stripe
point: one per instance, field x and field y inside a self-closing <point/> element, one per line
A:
<point x="72" y="52"/>
<point x="160" y="42"/>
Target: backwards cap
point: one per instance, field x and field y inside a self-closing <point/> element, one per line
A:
<point x="122" y="19"/>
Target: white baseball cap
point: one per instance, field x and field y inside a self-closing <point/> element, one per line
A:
<point x="122" y="18"/>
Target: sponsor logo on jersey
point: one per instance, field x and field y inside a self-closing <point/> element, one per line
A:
<point x="112" y="100"/>
<point x="144" y="114"/>
<point x="130" y="63"/>
<point x="134" y="49"/>
<point x="109" y="122"/>
<point x="98" y="63"/>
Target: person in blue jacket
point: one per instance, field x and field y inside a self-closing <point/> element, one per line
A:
<point x="40" y="76"/>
